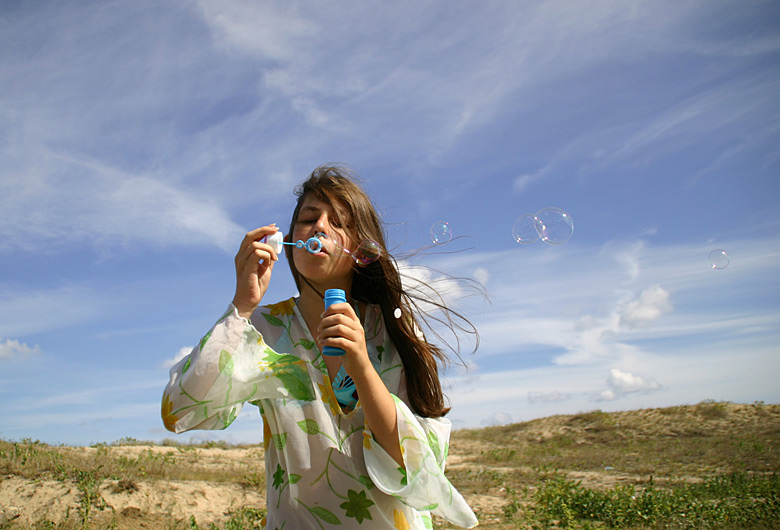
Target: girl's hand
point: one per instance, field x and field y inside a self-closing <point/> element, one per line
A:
<point x="254" y="264"/>
<point x="340" y="327"/>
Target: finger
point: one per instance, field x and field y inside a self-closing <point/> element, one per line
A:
<point x="261" y="232"/>
<point x="336" y="330"/>
<point x="331" y="320"/>
<point x="256" y="235"/>
<point x="336" y="342"/>
<point x="340" y="309"/>
<point x="255" y="252"/>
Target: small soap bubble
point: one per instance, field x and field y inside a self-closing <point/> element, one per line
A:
<point x="367" y="252"/>
<point x="554" y="226"/>
<point x="719" y="259"/>
<point x="397" y="312"/>
<point x="524" y="229"/>
<point x="441" y="232"/>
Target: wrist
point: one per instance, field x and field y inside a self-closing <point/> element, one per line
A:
<point x="362" y="373"/>
<point x="243" y="310"/>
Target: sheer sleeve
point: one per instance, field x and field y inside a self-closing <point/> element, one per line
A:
<point x="421" y="483"/>
<point x="231" y="365"/>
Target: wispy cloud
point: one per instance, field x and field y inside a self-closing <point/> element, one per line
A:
<point x="108" y="207"/>
<point x="25" y="311"/>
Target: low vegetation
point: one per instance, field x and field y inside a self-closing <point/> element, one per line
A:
<point x="714" y="465"/>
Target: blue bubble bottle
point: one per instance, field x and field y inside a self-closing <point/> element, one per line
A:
<point x="334" y="296"/>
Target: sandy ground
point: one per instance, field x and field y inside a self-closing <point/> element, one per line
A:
<point x="150" y="504"/>
<point x="25" y="501"/>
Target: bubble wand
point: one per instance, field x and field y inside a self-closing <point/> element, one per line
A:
<point x="366" y="253"/>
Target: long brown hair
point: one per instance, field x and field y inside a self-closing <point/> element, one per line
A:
<point x="380" y="283"/>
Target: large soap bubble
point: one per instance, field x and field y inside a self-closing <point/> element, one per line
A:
<point x="367" y="252"/>
<point x="551" y="225"/>
<point x="554" y="226"/>
<point x="524" y="229"/>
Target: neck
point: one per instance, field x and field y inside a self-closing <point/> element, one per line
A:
<point x="310" y="302"/>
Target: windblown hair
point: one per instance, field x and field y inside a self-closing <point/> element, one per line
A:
<point x="380" y="283"/>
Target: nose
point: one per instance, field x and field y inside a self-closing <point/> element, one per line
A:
<point x="322" y="224"/>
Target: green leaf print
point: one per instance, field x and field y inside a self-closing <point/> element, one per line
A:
<point x="357" y="506"/>
<point x="280" y="440"/>
<point x="366" y="481"/>
<point x="231" y="417"/>
<point x="281" y="359"/>
<point x="291" y="371"/>
<point x="403" y="476"/>
<point x="326" y="515"/>
<point x="426" y="519"/>
<point x="186" y="366"/>
<point x="433" y="442"/>
<point x="430" y="507"/>
<point x="274" y="321"/>
<point x="294" y="479"/>
<point x="297" y="383"/>
<point x="225" y="315"/>
<point x="204" y="340"/>
<point x="309" y="427"/>
<point x="225" y="362"/>
<point x="278" y="477"/>
<point x="306" y="343"/>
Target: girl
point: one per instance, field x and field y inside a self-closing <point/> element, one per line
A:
<point x="351" y="441"/>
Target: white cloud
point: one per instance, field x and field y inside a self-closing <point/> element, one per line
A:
<point x="11" y="347"/>
<point x="605" y="395"/>
<point x="429" y="286"/>
<point x="653" y="303"/>
<point x="626" y="382"/>
<point x="621" y="383"/>
<point x="497" y="418"/>
<point x="482" y="275"/>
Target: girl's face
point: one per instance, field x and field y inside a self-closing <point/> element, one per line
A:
<point x="332" y="267"/>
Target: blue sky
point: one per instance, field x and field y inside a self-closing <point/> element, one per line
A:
<point x="140" y="140"/>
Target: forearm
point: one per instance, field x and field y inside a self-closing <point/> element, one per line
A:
<point x="380" y="412"/>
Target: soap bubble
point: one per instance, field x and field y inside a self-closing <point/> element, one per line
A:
<point x="554" y="226"/>
<point x="524" y="229"/>
<point x="367" y="252"/>
<point x="441" y="232"/>
<point x="719" y="259"/>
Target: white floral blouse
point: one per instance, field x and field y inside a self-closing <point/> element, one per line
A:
<point x="324" y="468"/>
